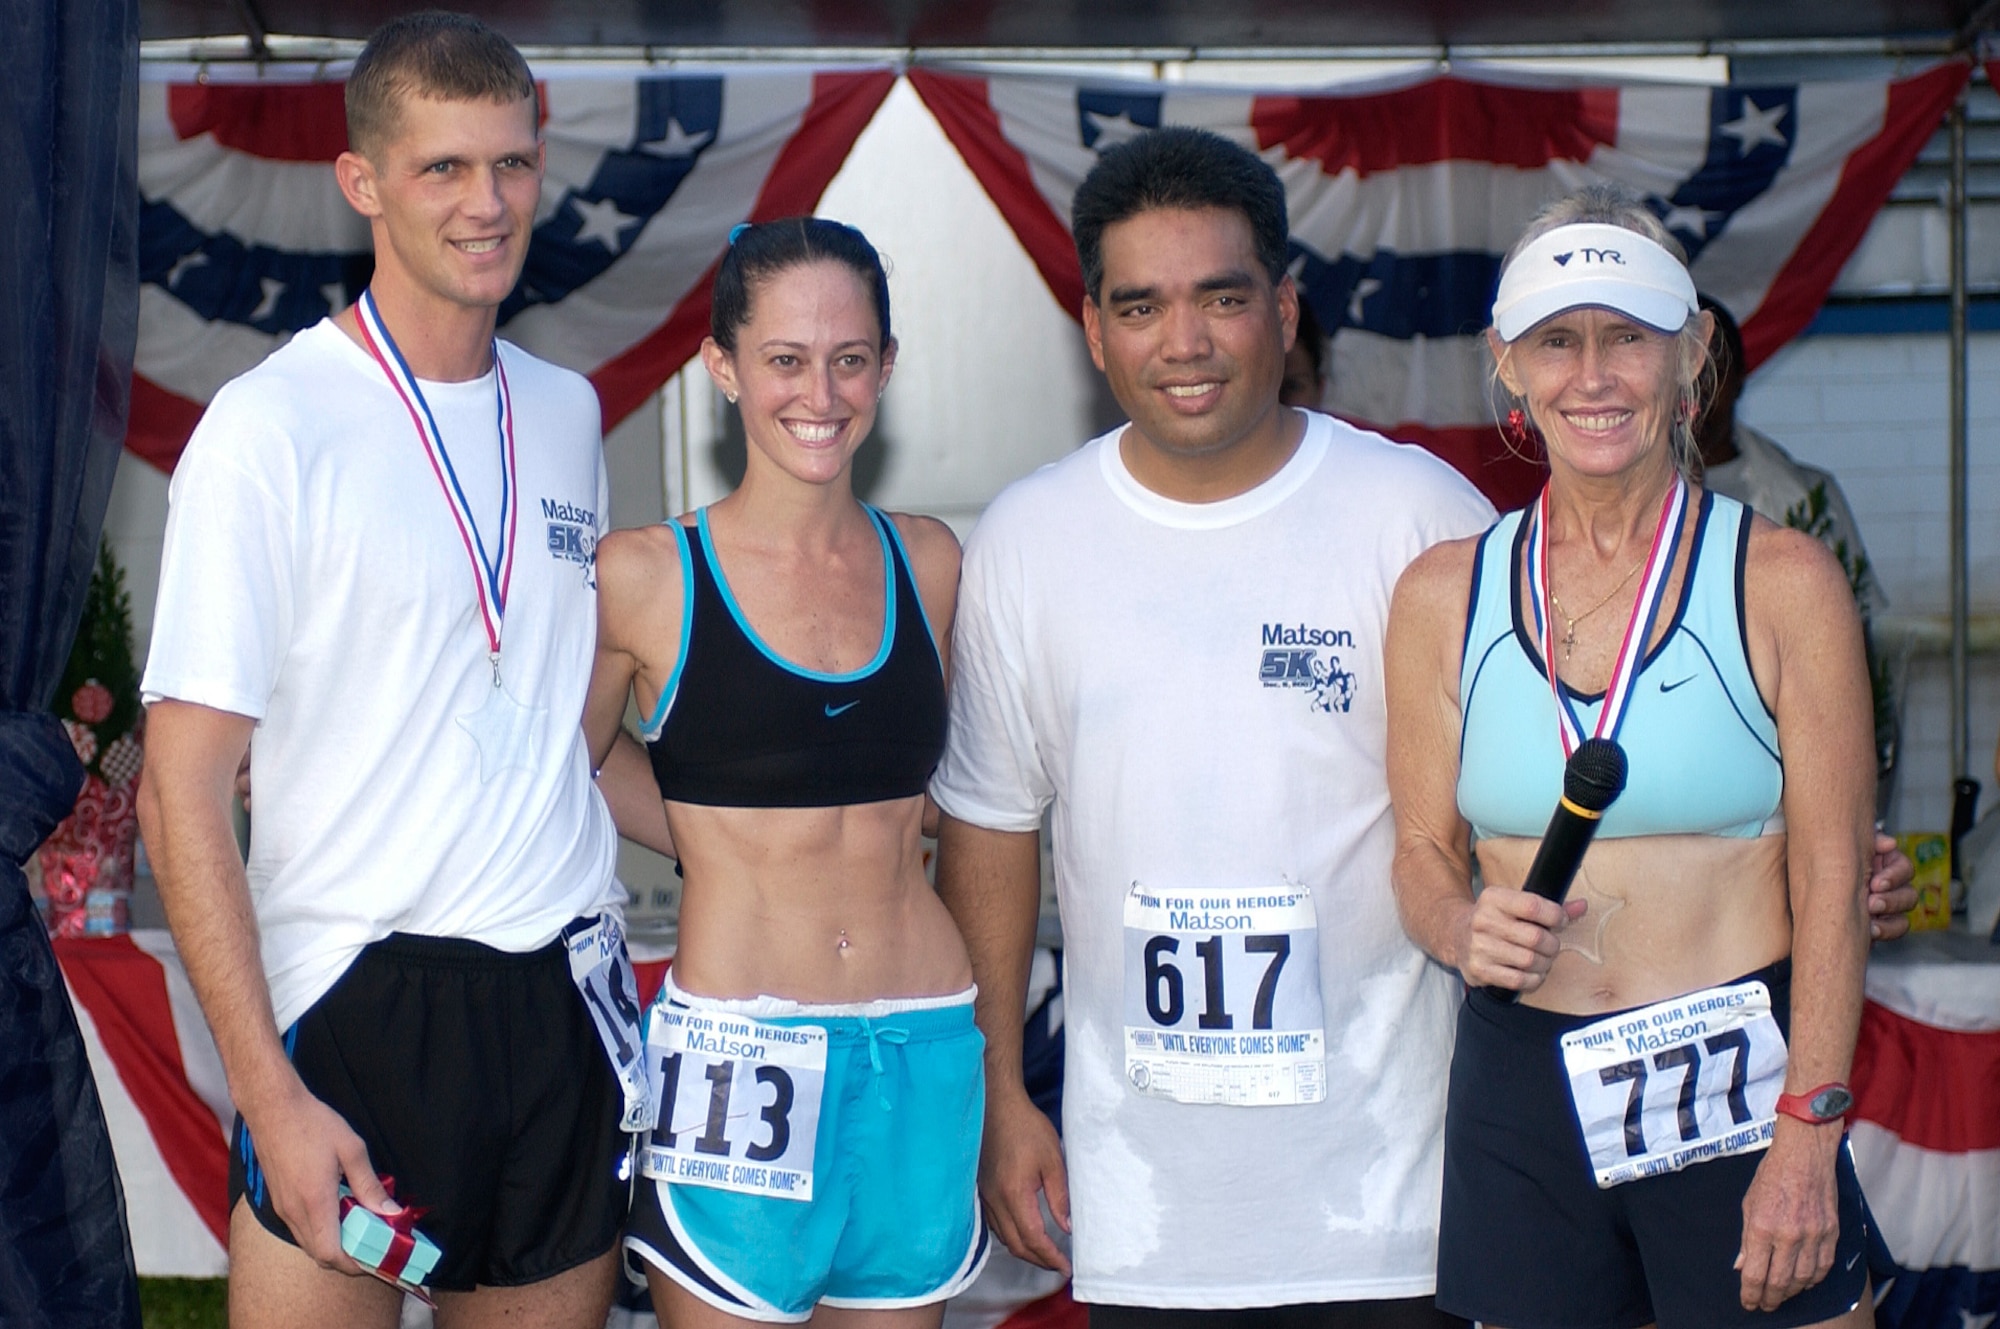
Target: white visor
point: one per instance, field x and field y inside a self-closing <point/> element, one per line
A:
<point x="1590" y="264"/>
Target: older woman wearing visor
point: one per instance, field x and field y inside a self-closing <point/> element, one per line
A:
<point x="1646" y="1103"/>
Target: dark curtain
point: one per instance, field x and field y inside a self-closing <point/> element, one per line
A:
<point x="69" y="297"/>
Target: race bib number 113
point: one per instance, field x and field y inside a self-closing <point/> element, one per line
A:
<point x="739" y="1101"/>
<point x="1222" y="999"/>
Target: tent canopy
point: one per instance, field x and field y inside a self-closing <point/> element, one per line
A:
<point x="1106" y="24"/>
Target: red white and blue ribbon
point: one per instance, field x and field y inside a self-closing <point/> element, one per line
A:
<point x="1638" y="627"/>
<point x="492" y="573"/>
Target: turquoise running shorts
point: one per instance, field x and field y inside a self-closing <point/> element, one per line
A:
<point x="810" y="1154"/>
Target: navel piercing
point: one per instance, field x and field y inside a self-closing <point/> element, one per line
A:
<point x="843" y="940"/>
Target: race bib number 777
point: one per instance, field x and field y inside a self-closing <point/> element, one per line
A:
<point x="1678" y="1082"/>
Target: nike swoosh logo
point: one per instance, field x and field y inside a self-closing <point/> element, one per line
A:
<point x="1857" y="1256"/>
<point x="832" y="710"/>
<point x="1669" y="687"/>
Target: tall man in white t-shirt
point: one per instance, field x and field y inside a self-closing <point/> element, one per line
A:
<point x="378" y="570"/>
<point x="1172" y="641"/>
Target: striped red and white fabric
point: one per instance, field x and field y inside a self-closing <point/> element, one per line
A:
<point x="1406" y="195"/>
<point x="1926" y="1136"/>
<point x="165" y="1100"/>
<point x="244" y="238"/>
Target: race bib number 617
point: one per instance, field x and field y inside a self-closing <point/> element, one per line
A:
<point x="1222" y="999"/>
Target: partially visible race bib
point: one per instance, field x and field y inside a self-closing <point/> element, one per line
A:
<point x="739" y="1101"/>
<point x="602" y="972"/>
<point x="1222" y="1000"/>
<point x="1678" y="1082"/>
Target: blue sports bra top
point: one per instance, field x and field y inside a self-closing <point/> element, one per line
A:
<point x="740" y="726"/>
<point x="1701" y="746"/>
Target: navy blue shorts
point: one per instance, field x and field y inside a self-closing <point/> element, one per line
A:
<point x="1529" y="1241"/>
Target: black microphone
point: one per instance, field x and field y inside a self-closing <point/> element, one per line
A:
<point x="1592" y="780"/>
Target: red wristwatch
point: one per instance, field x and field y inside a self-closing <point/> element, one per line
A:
<point x="1829" y="1102"/>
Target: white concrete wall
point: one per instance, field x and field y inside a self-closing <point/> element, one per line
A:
<point x="1873" y="410"/>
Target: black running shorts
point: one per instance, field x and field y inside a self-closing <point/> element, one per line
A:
<point x="1529" y="1241"/>
<point x="1396" y="1313"/>
<point x="476" y="1079"/>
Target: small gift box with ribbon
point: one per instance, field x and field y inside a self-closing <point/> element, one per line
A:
<point x="388" y="1245"/>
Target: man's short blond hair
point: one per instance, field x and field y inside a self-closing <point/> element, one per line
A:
<point x="433" y="53"/>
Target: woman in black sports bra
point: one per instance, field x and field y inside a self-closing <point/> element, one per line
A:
<point x="787" y="646"/>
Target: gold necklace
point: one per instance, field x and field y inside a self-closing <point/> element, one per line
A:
<point x="1569" y="623"/>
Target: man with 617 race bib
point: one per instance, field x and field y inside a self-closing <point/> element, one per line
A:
<point x="1174" y="635"/>
<point x="1172" y="641"/>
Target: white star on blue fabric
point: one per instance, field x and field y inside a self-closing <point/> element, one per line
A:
<point x="678" y="142"/>
<point x="1755" y="126"/>
<point x="507" y="733"/>
<point x="1364" y="288"/>
<point x="194" y="258"/>
<point x="1694" y="221"/>
<point x="274" y="290"/>
<point x="1967" y="1320"/>
<point x="1114" y="129"/>
<point x="602" y="222"/>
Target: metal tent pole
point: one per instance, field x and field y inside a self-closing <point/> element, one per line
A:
<point x="1960" y="741"/>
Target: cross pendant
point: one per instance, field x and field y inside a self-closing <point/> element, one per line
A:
<point x="1569" y="640"/>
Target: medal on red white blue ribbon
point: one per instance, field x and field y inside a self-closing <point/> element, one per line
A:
<point x="1638" y="627"/>
<point x="506" y="732"/>
<point x="492" y="576"/>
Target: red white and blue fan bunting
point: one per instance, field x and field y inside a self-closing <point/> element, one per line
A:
<point x="1926" y="1136"/>
<point x="1404" y="198"/>
<point x="244" y="238"/>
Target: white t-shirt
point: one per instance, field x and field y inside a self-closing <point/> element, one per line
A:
<point x="1771" y="482"/>
<point x="1198" y="688"/>
<point x="314" y="579"/>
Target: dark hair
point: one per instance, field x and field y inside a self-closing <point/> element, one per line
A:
<point x="1312" y="337"/>
<point x="1177" y="167"/>
<point x="432" y="53"/>
<point x="758" y="253"/>
<point x="1731" y="338"/>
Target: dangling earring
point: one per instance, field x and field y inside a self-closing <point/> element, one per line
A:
<point x="1517" y="431"/>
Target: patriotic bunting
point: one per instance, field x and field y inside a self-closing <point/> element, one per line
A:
<point x="1926" y="1135"/>
<point x="1404" y="198"/>
<point x="244" y="238"/>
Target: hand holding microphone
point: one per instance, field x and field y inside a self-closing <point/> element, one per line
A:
<point x="1593" y="778"/>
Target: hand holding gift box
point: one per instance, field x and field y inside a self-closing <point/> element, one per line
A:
<point x="388" y="1245"/>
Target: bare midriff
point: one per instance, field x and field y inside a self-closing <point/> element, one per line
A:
<point x="820" y="905"/>
<point x="1668" y="914"/>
